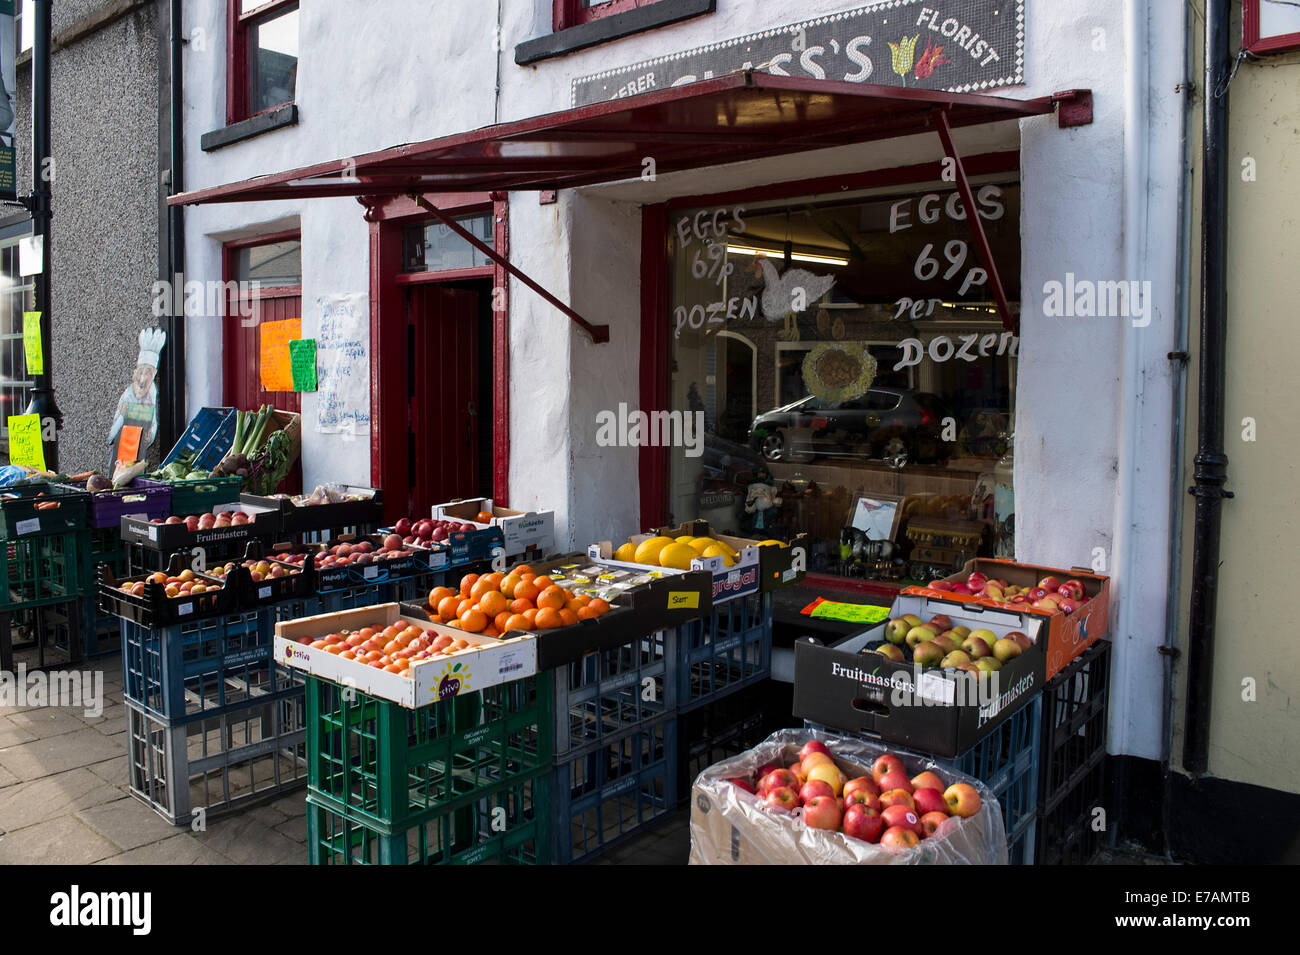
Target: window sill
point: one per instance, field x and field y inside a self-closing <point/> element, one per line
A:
<point x="613" y="27"/>
<point x="277" y="118"/>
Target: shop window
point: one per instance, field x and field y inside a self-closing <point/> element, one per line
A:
<point x="263" y="56"/>
<point x="15" y="298"/>
<point x="875" y="371"/>
<point x="569" y="13"/>
<point x="431" y="246"/>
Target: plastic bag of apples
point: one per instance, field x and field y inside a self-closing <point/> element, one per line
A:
<point x="806" y="798"/>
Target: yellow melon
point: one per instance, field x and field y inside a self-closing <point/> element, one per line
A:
<point x="647" y="552"/>
<point x="678" y="556"/>
<point x="701" y="544"/>
<point x="626" y="553"/>
<point x="717" y="551"/>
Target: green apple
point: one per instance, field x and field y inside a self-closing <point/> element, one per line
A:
<point x="919" y="635"/>
<point x="896" y="630"/>
<point x="989" y="664"/>
<point x="912" y="620"/>
<point x="889" y="652"/>
<point x="1006" y="649"/>
<point x="955" y="659"/>
<point x="927" y="654"/>
<point x="988" y="636"/>
<point x="962" y="632"/>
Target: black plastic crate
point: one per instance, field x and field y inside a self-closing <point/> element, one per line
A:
<point x="1074" y="831"/>
<point x="724" y="651"/>
<point x="154" y="609"/>
<point x="728" y="727"/>
<point x="42" y="509"/>
<point x="297" y="583"/>
<point x="1075" y="713"/>
<point x="317" y="518"/>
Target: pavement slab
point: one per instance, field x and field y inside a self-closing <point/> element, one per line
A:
<point x="62" y="841"/>
<point x="181" y="849"/>
<point x="127" y="823"/>
<point x="45" y="757"/>
<point x="40" y="800"/>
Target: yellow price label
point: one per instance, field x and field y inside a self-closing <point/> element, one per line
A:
<point x="683" y="601"/>
<point x="35" y="354"/>
<point x="25" y="445"/>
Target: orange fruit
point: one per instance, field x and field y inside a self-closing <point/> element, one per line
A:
<point x="531" y="615"/>
<point x="474" y="621"/>
<point x="391" y="631"/>
<point x="519" y="605"/>
<point x="599" y="605"/>
<point x="437" y="593"/>
<point x="574" y="604"/>
<point x="481" y="586"/>
<point x="493" y="602"/>
<point x="464" y="607"/>
<point x="552" y="598"/>
<point x="517" y="621"/>
<point x="508" y="583"/>
<point x="541" y="583"/>
<point x="453" y="623"/>
<point x="491" y="631"/>
<point x="586" y="613"/>
<point x="501" y="621"/>
<point x="494" y="579"/>
<point x="365" y="633"/>
<point x="467" y="582"/>
<point x="527" y="590"/>
<point x="447" y="607"/>
<point x="568" y="617"/>
<point x="523" y="569"/>
<point x="547" y="618"/>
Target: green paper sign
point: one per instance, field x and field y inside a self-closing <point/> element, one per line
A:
<point x="32" y="343"/>
<point x="852" y="613"/>
<point x="25" y="445"/>
<point x="302" y="362"/>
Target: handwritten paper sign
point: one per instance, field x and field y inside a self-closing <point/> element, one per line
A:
<point x="32" y="343"/>
<point x="276" y="372"/>
<point x="343" y="364"/>
<point x="25" y="446"/>
<point x="302" y="359"/>
<point x="128" y="446"/>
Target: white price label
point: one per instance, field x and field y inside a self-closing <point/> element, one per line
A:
<point x="733" y="578"/>
<point x="509" y="663"/>
<point x="370" y="573"/>
<point x="437" y="558"/>
<point x="789" y="575"/>
<point x="263" y="592"/>
<point x="184" y="609"/>
<point x="153" y="532"/>
<point x="30" y="526"/>
<point x="932" y="686"/>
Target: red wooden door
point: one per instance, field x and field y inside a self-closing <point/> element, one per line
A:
<point x="443" y="390"/>
<point x="243" y="341"/>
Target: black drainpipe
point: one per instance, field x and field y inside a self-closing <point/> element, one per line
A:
<point x="176" y="411"/>
<point x="1211" y="471"/>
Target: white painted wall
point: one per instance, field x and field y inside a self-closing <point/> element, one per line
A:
<point x="411" y="70"/>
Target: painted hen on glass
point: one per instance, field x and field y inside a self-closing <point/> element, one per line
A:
<point x="786" y="295"/>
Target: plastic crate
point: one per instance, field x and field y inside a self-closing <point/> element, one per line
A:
<point x="1068" y="834"/>
<point x="43" y="627"/>
<point x="1074" y="724"/>
<point x="209" y="435"/>
<point x="155" y="610"/>
<point x="508" y="824"/>
<point x="44" y="569"/>
<point x="142" y="497"/>
<point x="146" y="560"/>
<point x="608" y="692"/>
<point x="21" y="517"/>
<point x="216" y="763"/>
<point x="209" y="666"/>
<point x="726" y="650"/>
<point x="197" y="496"/>
<point x="728" y="727"/>
<point x="1021" y="849"/>
<point x="606" y="793"/>
<point x="393" y="767"/>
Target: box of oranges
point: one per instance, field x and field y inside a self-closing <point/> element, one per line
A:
<point x="522" y="531"/>
<point x="426" y="662"/>
<point x="572" y="609"/>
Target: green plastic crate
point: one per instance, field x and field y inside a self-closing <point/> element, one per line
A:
<point x="393" y="767"/>
<point x="44" y="569"/>
<point x="188" y="497"/>
<point x="507" y="824"/>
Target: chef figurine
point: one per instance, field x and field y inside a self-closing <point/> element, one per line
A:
<point x="139" y="402"/>
<point x="761" y="498"/>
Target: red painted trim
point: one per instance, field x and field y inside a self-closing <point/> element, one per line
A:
<point x="831" y="582"/>
<point x="570" y="13"/>
<point x="653" y="462"/>
<point x="236" y="65"/>
<point x="229" y="251"/>
<point x="501" y="358"/>
<point x="423" y="278"/>
<point x="1250" y="38"/>
<point x="271" y="6"/>
<point x="403" y="206"/>
<point x="267" y="239"/>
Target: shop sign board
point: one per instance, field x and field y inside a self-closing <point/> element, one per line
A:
<point x="960" y="46"/>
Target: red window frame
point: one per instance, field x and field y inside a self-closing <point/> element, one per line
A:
<point x="1250" y="38"/>
<point x="570" y="13"/>
<point x="237" y="39"/>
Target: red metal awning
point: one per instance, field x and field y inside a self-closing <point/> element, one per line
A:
<point x="712" y="122"/>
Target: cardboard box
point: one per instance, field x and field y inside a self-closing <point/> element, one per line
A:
<point x="943" y="712"/>
<point x="498" y="661"/>
<point x="776" y="565"/>
<point x="1068" y="634"/>
<point x="521" y="531"/>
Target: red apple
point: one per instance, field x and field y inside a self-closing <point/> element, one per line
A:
<point x="927" y="780"/>
<point x="783" y="797"/>
<point x="960" y="588"/>
<point x="1036" y="593"/>
<point x="767" y="769"/>
<point x="1050" y="584"/>
<point x="940" y="585"/>
<point x="799" y="774"/>
<point x="823" y="812"/>
<point x="862" y="797"/>
<point x="1020" y="638"/>
<point x="942" y="621"/>
<point x="886" y="764"/>
<point x="894" y="779"/>
<point x="828" y="773"/>
<point x="403" y="527"/>
<point x="931" y="822"/>
<point x="865" y="783"/>
<point x="1074" y="590"/>
<point x="814" y="788"/>
<point x="896" y="797"/>
<point x="902" y="816"/>
<point x="1068" y="605"/>
<point x="778" y="779"/>
<point x="962" y="799"/>
<point x="900" y="838"/>
<point x="744" y="784"/>
<point x="929" y="800"/>
<point x="813" y="746"/>
<point x="976" y="581"/>
<point x="862" y="822"/>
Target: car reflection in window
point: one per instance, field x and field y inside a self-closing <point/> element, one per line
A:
<point x="883" y="422"/>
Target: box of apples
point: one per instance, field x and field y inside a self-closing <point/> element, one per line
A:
<point x="463" y="541"/>
<point x="521" y="531"/>
<point x="939" y="675"/>
<point x="1076" y="602"/>
<point x="350" y="561"/>
<point x="225" y="522"/>
<point x="260" y="580"/>
<point x="412" y="662"/>
<point x="155" y="600"/>
<point x="804" y="798"/>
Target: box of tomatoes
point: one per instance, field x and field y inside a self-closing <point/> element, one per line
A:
<point x="445" y="661"/>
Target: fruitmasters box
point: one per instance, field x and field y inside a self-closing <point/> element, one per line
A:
<point x="521" y="530"/>
<point x="431" y="680"/>
<point x="263" y="524"/>
<point x="944" y="712"/>
<point x="1068" y="634"/>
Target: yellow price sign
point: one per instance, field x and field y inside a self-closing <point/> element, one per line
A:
<point x="683" y="601"/>
<point x="25" y="445"/>
<point x="32" y="343"/>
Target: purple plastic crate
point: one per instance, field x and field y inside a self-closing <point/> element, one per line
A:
<point x="141" y="497"/>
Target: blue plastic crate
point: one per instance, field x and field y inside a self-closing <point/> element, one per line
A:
<point x="608" y="692"/>
<point x="606" y="793"/>
<point x="210" y="434"/>
<point x="726" y="650"/>
<point x="186" y="671"/>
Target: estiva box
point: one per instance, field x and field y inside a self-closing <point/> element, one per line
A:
<point x="1068" y="634"/>
<point x="944" y="712"/>
<point x="521" y="530"/>
<point x="493" y="661"/>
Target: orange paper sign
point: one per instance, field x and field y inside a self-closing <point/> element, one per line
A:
<point x="128" y="446"/>
<point x="277" y="370"/>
